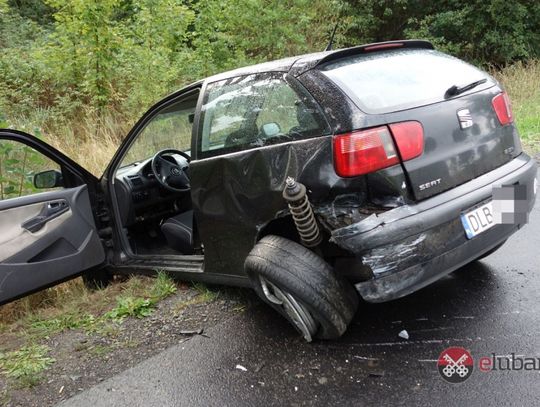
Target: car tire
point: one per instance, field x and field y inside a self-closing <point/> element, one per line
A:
<point x="284" y="270"/>
<point x="97" y="278"/>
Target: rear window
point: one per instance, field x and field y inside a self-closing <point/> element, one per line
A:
<point x="402" y="79"/>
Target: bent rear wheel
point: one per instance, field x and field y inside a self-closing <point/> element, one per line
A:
<point x="298" y="314"/>
<point x="302" y="287"/>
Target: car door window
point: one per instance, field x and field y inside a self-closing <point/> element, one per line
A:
<point x="169" y="128"/>
<point x="256" y="110"/>
<point x="18" y="166"/>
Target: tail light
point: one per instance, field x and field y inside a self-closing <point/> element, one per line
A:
<point x="501" y="105"/>
<point x="365" y="151"/>
<point x="409" y="137"/>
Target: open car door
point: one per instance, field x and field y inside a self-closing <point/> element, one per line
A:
<point x="48" y="232"/>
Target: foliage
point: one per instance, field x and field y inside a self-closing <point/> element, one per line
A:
<point x="139" y="307"/>
<point x="26" y="363"/>
<point x="162" y="287"/>
<point x="40" y="327"/>
<point x="522" y="82"/>
<point x="486" y="32"/>
<point x="18" y="164"/>
<point x="205" y="293"/>
<point x="83" y="70"/>
<point x="130" y="307"/>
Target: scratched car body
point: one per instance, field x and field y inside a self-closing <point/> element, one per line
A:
<point x="397" y="148"/>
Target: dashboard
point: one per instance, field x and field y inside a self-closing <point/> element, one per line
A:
<point x="141" y="197"/>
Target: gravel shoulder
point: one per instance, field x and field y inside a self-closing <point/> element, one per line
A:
<point x="84" y="358"/>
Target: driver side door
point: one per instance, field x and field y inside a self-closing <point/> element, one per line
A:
<point x="47" y="227"/>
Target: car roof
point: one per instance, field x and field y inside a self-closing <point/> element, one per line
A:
<point x="299" y="64"/>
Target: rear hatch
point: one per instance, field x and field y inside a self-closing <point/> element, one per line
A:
<point x="455" y="103"/>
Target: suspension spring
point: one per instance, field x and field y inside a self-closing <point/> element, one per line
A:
<point x="300" y="208"/>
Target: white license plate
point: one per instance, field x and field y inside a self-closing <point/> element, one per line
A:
<point x="478" y="220"/>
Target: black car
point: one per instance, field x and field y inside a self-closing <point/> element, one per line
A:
<point x="366" y="172"/>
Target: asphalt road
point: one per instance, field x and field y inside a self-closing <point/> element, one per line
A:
<point x="490" y="307"/>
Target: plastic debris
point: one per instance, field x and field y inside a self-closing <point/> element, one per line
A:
<point x="404" y="334"/>
<point x="378" y="373"/>
<point x="192" y="332"/>
<point x="242" y="368"/>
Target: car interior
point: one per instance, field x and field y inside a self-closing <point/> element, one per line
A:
<point x="152" y="184"/>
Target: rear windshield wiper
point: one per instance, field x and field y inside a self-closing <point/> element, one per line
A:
<point x="457" y="90"/>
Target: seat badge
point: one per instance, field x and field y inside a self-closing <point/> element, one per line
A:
<point x="465" y="118"/>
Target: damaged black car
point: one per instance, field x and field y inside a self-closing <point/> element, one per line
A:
<point x="320" y="180"/>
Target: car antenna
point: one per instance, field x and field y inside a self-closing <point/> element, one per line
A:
<point x="331" y="43"/>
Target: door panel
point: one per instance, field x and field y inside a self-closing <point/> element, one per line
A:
<point x="46" y="238"/>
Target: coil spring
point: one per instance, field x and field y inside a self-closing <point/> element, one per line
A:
<point x="305" y="222"/>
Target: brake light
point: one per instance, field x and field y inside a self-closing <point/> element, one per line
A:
<point x="501" y="105"/>
<point x="409" y="138"/>
<point x="365" y="151"/>
<point x="383" y="46"/>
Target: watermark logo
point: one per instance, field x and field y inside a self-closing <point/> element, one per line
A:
<point x="455" y="364"/>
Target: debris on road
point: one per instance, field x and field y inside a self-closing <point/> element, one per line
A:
<point x="404" y="334"/>
<point x="242" y="368"/>
<point x="192" y="332"/>
<point x="379" y="373"/>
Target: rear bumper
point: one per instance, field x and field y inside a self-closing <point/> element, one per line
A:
<point x="411" y="246"/>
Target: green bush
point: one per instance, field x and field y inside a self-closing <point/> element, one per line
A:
<point x="494" y="32"/>
<point x="67" y="62"/>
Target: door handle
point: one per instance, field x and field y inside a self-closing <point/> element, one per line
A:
<point x="50" y="210"/>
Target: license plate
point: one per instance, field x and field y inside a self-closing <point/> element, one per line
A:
<point x="478" y="220"/>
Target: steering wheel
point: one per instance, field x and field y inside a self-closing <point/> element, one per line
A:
<point x="168" y="173"/>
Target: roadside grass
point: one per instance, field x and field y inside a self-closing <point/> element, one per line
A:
<point x="71" y="307"/>
<point x="522" y="82"/>
<point x="26" y="364"/>
<point x="206" y="294"/>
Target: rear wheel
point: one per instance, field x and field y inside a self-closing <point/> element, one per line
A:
<point x="302" y="287"/>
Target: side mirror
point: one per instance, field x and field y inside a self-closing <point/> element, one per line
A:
<point x="271" y="129"/>
<point x="48" y="179"/>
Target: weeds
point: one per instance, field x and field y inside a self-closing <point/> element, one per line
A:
<point x="130" y="307"/>
<point x="162" y="287"/>
<point x="139" y="307"/>
<point x="26" y="364"/>
<point x="522" y="82"/>
<point x="206" y="294"/>
<point x="48" y="327"/>
<point x="99" y="350"/>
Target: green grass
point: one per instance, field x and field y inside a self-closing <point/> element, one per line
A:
<point x="74" y="307"/>
<point x="162" y="287"/>
<point x="41" y="328"/>
<point x="522" y="82"/>
<point x="99" y="350"/>
<point x="141" y="307"/>
<point x="206" y="294"/>
<point x="130" y="307"/>
<point x="26" y="364"/>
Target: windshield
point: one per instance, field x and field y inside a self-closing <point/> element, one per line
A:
<point x="169" y="128"/>
<point x="397" y="80"/>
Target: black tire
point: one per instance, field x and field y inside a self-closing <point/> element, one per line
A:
<point x="331" y="300"/>
<point x="97" y="278"/>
